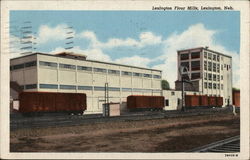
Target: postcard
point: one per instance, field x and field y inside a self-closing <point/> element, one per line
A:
<point x="124" y="79"/>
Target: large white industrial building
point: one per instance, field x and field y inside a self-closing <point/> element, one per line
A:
<point x="67" y="72"/>
<point x="210" y="72"/>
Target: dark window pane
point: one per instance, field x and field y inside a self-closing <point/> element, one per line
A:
<point x="184" y="56"/>
<point x="30" y="64"/>
<point x="49" y="86"/>
<point x="85" y="68"/>
<point x="195" y="65"/>
<point x="85" y="87"/>
<point x="67" y="87"/>
<point x="30" y="86"/>
<point x="195" y="55"/>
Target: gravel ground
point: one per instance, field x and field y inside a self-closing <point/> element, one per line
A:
<point x="160" y="135"/>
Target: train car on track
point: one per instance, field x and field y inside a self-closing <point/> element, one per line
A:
<point x="141" y="102"/>
<point x="203" y="101"/>
<point x="33" y="103"/>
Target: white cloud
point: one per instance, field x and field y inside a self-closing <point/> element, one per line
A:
<point x="47" y="34"/>
<point x="145" y="38"/>
<point x="195" y="36"/>
<point x="134" y="61"/>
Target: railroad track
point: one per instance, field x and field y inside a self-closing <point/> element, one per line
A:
<point x="19" y="122"/>
<point x="229" y="145"/>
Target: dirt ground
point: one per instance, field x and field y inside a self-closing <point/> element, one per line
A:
<point x="161" y="135"/>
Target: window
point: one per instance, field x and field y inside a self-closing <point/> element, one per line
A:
<point x="70" y="87"/>
<point x="126" y="73"/>
<point x="67" y="66"/>
<point x="214" y="67"/>
<point x="147" y="75"/>
<point x="11" y="68"/>
<point x="184" y="56"/>
<point x="214" y="85"/>
<point x="214" y="57"/>
<point x="18" y="66"/>
<point x="221" y="58"/>
<point x="195" y="65"/>
<point x="209" y="76"/>
<point x="221" y="86"/>
<point x="209" y="66"/>
<point x="221" y="77"/>
<point x="210" y="85"/>
<point x="218" y="58"/>
<point x="113" y="89"/>
<point x="205" y="84"/>
<point x="205" y="65"/>
<point x="97" y="88"/>
<point x="49" y="86"/>
<point x="195" y="55"/>
<point x="48" y="64"/>
<point x="218" y="86"/>
<point x="214" y="77"/>
<point x="195" y="75"/>
<point x="205" y="54"/>
<point x="30" y="64"/>
<point x="114" y="72"/>
<point x="185" y="64"/>
<point x="218" y="68"/>
<point x="227" y="67"/>
<point x="126" y="89"/>
<point x="166" y="102"/>
<point x="30" y="86"/>
<point x="218" y="77"/>
<point x="209" y="56"/>
<point x="205" y="76"/>
<point x="221" y="67"/>
<point x="137" y="74"/>
<point x="84" y="68"/>
<point x="85" y="87"/>
<point x="100" y="70"/>
<point x="157" y="76"/>
<point x="172" y="93"/>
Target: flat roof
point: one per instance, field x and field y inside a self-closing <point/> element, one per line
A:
<point x="55" y="55"/>
<point x="206" y="50"/>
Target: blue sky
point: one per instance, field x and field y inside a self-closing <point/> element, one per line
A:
<point x="144" y="38"/>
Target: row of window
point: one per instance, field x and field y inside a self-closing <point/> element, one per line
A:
<point x="214" y="77"/>
<point x="96" y="88"/>
<point x="213" y="86"/>
<point x="213" y="57"/>
<point x="23" y="65"/>
<point x="98" y="70"/>
<point x="194" y="55"/>
<point x="212" y="66"/>
<point x="195" y="65"/>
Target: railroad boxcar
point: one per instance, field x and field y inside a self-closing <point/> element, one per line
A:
<point x="219" y="101"/>
<point x="203" y="100"/>
<point x="212" y="101"/>
<point x="41" y="102"/>
<point x="192" y="101"/>
<point x="141" y="102"/>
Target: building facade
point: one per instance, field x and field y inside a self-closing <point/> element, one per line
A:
<point x="210" y="72"/>
<point x="66" y="72"/>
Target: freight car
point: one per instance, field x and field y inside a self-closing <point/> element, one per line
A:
<point x="36" y="103"/>
<point x="203" y="101"/>
<point x="141" y="102"/>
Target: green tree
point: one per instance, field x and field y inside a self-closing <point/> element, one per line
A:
<point x="165" y="85"/>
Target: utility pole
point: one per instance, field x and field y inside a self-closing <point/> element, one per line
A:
<point x="183" y="81"/>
